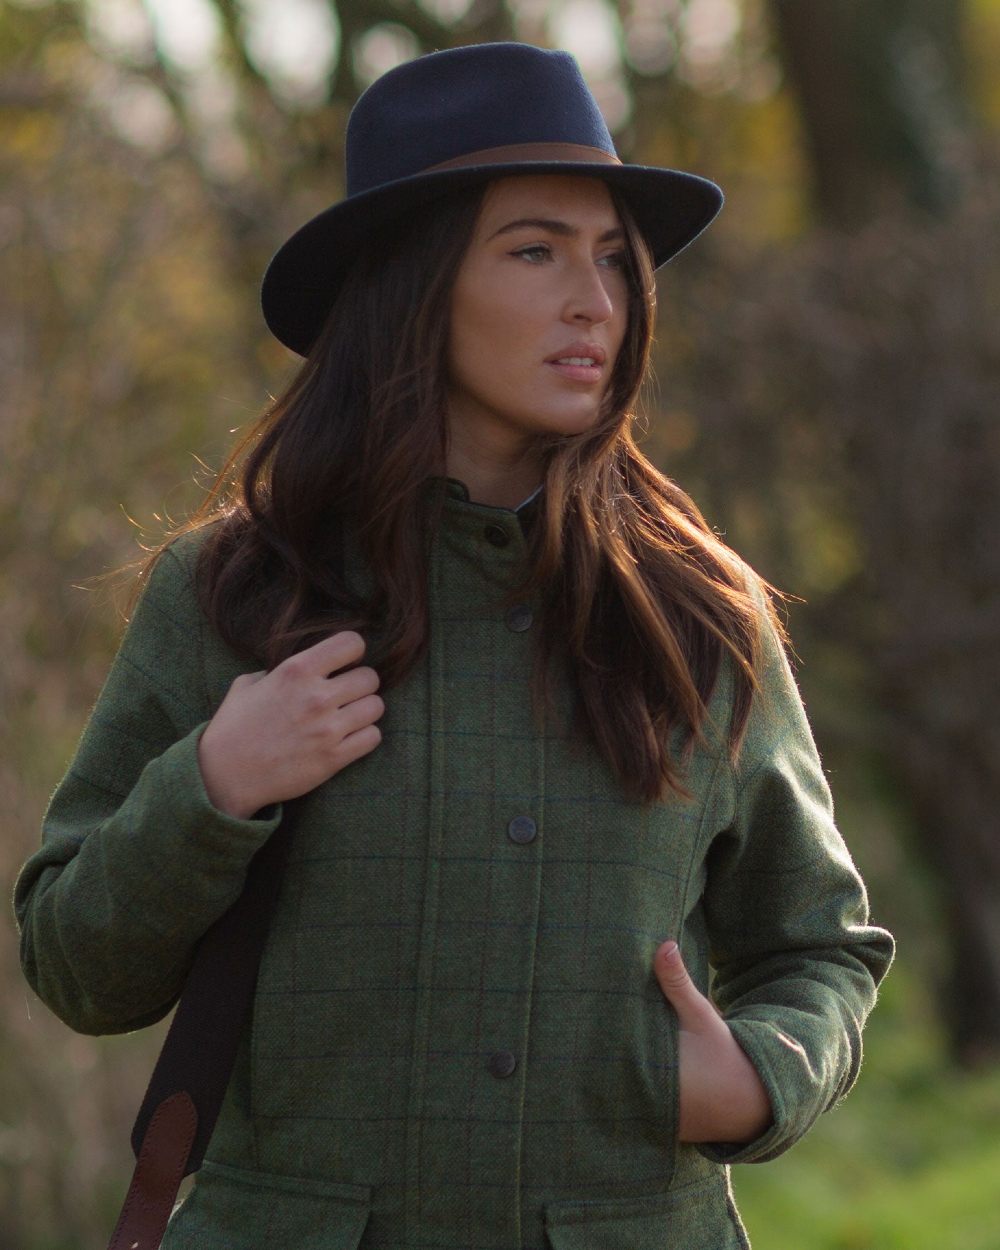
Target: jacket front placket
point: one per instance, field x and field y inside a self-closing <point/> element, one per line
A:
<point x="481" y="898"/>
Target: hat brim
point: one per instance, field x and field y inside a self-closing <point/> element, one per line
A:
<point x="671" y="209"/>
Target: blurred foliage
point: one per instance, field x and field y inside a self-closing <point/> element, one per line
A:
<point x="826" y="391"/>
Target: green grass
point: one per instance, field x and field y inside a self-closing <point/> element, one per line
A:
<point x="911" y="1161"/>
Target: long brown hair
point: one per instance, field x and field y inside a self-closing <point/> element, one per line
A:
<point x="642" y="602"/>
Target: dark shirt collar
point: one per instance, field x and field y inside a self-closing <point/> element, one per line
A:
<point x="459" y="490"/>
<point x="526" y="510"/>
<point x="531" y="498"/>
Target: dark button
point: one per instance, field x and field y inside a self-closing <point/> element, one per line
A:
<point x="522" y="829"/>
<point x="519" y="618"/>
<point x="497" y="535"/>
<point x="502" y="1063"/>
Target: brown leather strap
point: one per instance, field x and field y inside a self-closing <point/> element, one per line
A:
<point x="189" y="1082"/>
<point x="157" y="1175"/>
<point x="200" y="1048"/>
<point x="514" y="153"/>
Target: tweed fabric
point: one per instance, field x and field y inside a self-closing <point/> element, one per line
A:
<point x="458" y="1040"/>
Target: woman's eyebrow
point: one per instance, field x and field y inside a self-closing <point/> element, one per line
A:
<point x="556" y="227"/>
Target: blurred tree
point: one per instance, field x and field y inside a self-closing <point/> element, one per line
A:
<point x="884" y="99"/>
<point x="118" y="328"/>
<point x="881" y="95"/>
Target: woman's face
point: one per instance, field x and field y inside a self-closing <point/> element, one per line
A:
<point x="538" y="313"/>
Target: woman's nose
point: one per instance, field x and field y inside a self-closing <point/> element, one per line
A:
<point x="589" y="299"/>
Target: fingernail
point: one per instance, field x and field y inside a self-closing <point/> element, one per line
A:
<point x="668" y="948"/>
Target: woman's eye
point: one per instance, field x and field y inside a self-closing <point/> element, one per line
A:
<point x="537" y="252"/>
<point x="616" y="260"/>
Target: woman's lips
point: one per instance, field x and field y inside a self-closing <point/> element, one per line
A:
<point x="579" y="366"/>
<point x="578" y="373"/>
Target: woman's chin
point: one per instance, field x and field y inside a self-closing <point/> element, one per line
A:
<point x="566" y="419"/>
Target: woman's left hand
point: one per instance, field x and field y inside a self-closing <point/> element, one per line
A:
<point x="722" y="1099"/>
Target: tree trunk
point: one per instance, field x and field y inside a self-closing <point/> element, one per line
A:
<point x="879" y="88"/>
<point x="956" y="816"/>
<point x="881" y="98"/>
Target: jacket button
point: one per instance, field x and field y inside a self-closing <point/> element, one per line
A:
<point x="522" y="829"/>
<point x="502" y="1063"/>
<point x="497" y="535"/>
<point x="519" y="618"/>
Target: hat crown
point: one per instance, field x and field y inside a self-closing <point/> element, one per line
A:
<point x="449" y="104"/>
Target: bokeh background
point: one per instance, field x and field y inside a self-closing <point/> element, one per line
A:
<point x="828" y="370"/>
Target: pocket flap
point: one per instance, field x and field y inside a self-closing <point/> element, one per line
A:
<point x="233" y="1209"/>
<point x="696" y="1217"/>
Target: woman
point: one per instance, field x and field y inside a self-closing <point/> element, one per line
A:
<point x="473" y="1025"/>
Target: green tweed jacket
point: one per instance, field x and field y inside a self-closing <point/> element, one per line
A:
<point x="458" y="1041"/>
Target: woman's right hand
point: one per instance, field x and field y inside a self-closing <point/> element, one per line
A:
<point x="280" y="734"/>
<point x="722" y="1098"/>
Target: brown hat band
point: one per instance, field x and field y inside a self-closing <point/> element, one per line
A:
<point x="515" y="152"/>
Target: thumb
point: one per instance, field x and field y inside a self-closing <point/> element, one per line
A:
<point x="681" y="992"/>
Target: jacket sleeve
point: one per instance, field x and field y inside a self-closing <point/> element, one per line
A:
<point x="135" y="862"/>
<point x="796" y="962"/>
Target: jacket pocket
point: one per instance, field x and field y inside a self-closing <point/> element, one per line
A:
<point x="702" y="1216"/>
<point x="233" y="1209"/>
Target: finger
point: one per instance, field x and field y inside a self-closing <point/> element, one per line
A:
<point x="359" y="743"/>
<point x="247" y="679"/>
<point x="692" y="1007"/>
<point x="354" y="716"/>
<point x="326" y="656"/>
<point x="348" y="687"/>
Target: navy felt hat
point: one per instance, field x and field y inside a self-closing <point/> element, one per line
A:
<point x="453" y="118"/>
